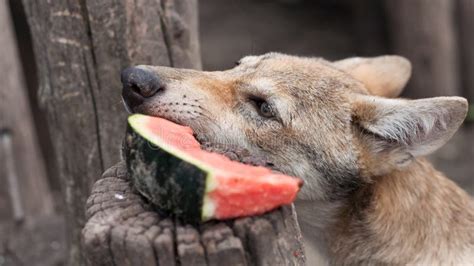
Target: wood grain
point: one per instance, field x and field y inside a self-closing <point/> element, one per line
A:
<point x="424" y="32"/>
<point x="80" y="48"/>
<point x="465" y="11"/>
<point x="24" y="193"/>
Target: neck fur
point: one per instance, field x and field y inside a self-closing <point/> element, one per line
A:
<point x="413" y="211"/>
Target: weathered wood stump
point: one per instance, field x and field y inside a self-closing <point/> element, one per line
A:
<point x="123" y="229"/>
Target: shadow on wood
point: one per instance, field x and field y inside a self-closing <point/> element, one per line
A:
<point x="122" y="229"/>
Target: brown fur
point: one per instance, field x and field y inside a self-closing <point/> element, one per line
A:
<point x="369" y="196"/>
<point x="407" y="213"/>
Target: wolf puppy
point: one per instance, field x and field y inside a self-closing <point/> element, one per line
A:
<point x="369" y="196"/>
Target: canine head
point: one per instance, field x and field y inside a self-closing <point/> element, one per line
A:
<point x="333" y="124"/>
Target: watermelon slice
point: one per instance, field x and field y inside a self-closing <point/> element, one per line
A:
<point x="168" y="166"/>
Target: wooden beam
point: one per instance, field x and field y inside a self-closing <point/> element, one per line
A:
<point x="24" y="189"/>
<point x="465" y="11"/>
<point x="423" y="31"/>
<point x="80" y="48"/>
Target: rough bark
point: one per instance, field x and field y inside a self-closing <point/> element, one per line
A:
<point x="423" y="31"/>
<point x="24" y="191"/>
<point x="124" y="230"/>
<point x="466" y="43"/>
<point x="80" y="47"/>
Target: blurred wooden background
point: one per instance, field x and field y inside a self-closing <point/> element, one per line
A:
<point x="44" y="181"/>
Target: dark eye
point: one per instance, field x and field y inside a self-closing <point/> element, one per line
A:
<point x="237" y="63"/>
<point x="264" y="108"/>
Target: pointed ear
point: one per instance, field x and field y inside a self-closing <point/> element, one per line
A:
<point x="384" y="76"/>
<point x="412" y="127"/>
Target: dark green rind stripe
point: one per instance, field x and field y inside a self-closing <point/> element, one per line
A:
<point x="172" y="184"/>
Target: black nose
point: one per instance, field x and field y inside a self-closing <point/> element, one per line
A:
<point x="139" y="84"/>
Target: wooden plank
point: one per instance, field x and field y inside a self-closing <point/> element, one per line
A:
<point x="370" y="29"/>
<point x="423" y="31"/>
<point x="132" y="32"/>
<point x="66" y="80"/>
<point x="22" y="171"/>
<point x="465" y="11"/>
<point x="80" y="49"/>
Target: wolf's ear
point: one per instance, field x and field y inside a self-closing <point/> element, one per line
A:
<point x="384" y="76"/>
<point x="410" y="128"/>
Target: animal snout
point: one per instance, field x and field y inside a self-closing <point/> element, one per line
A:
<point x="139" y="84"/>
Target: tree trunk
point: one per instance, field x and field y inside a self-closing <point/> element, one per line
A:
<point x="80" y="47"/>
<point x="423" y="31"/>
<point x="466" y="41"/>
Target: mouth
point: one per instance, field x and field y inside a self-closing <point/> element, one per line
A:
<point x="232" y="152"/>
<point x="238" y="154"/>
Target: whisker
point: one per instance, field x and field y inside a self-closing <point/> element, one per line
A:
<point x="208" y="117"/>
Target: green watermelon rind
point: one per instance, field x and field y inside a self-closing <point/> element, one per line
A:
<point x="168" y="177"/>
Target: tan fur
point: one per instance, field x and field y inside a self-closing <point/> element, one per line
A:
<point x="369" y="196"/>
<point x="369" y="71"/>
<point x="224" y="90"/>
<point x="415" y="216"/>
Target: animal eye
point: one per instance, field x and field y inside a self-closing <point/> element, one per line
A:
<point x="266" y="110"/>
<point x="237" y="63"/>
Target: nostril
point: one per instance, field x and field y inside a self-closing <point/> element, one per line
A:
<point x="135" y="88"/>
<point x="141" y="82"/>
<point x="149" y="90"/>
<point x="160" y="89"/>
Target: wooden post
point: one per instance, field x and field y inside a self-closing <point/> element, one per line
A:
<point x="80" y="48"/>
<point x="24" y="191"/>
<point x="124" y="230"/>
<point x="423" y="31"/>
<point x="369" y="26"/>
<point x="466" y="43"/>
<point x="28" y="225"/>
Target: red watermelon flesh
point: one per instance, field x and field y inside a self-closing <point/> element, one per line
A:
<point x="229" y="189"/>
